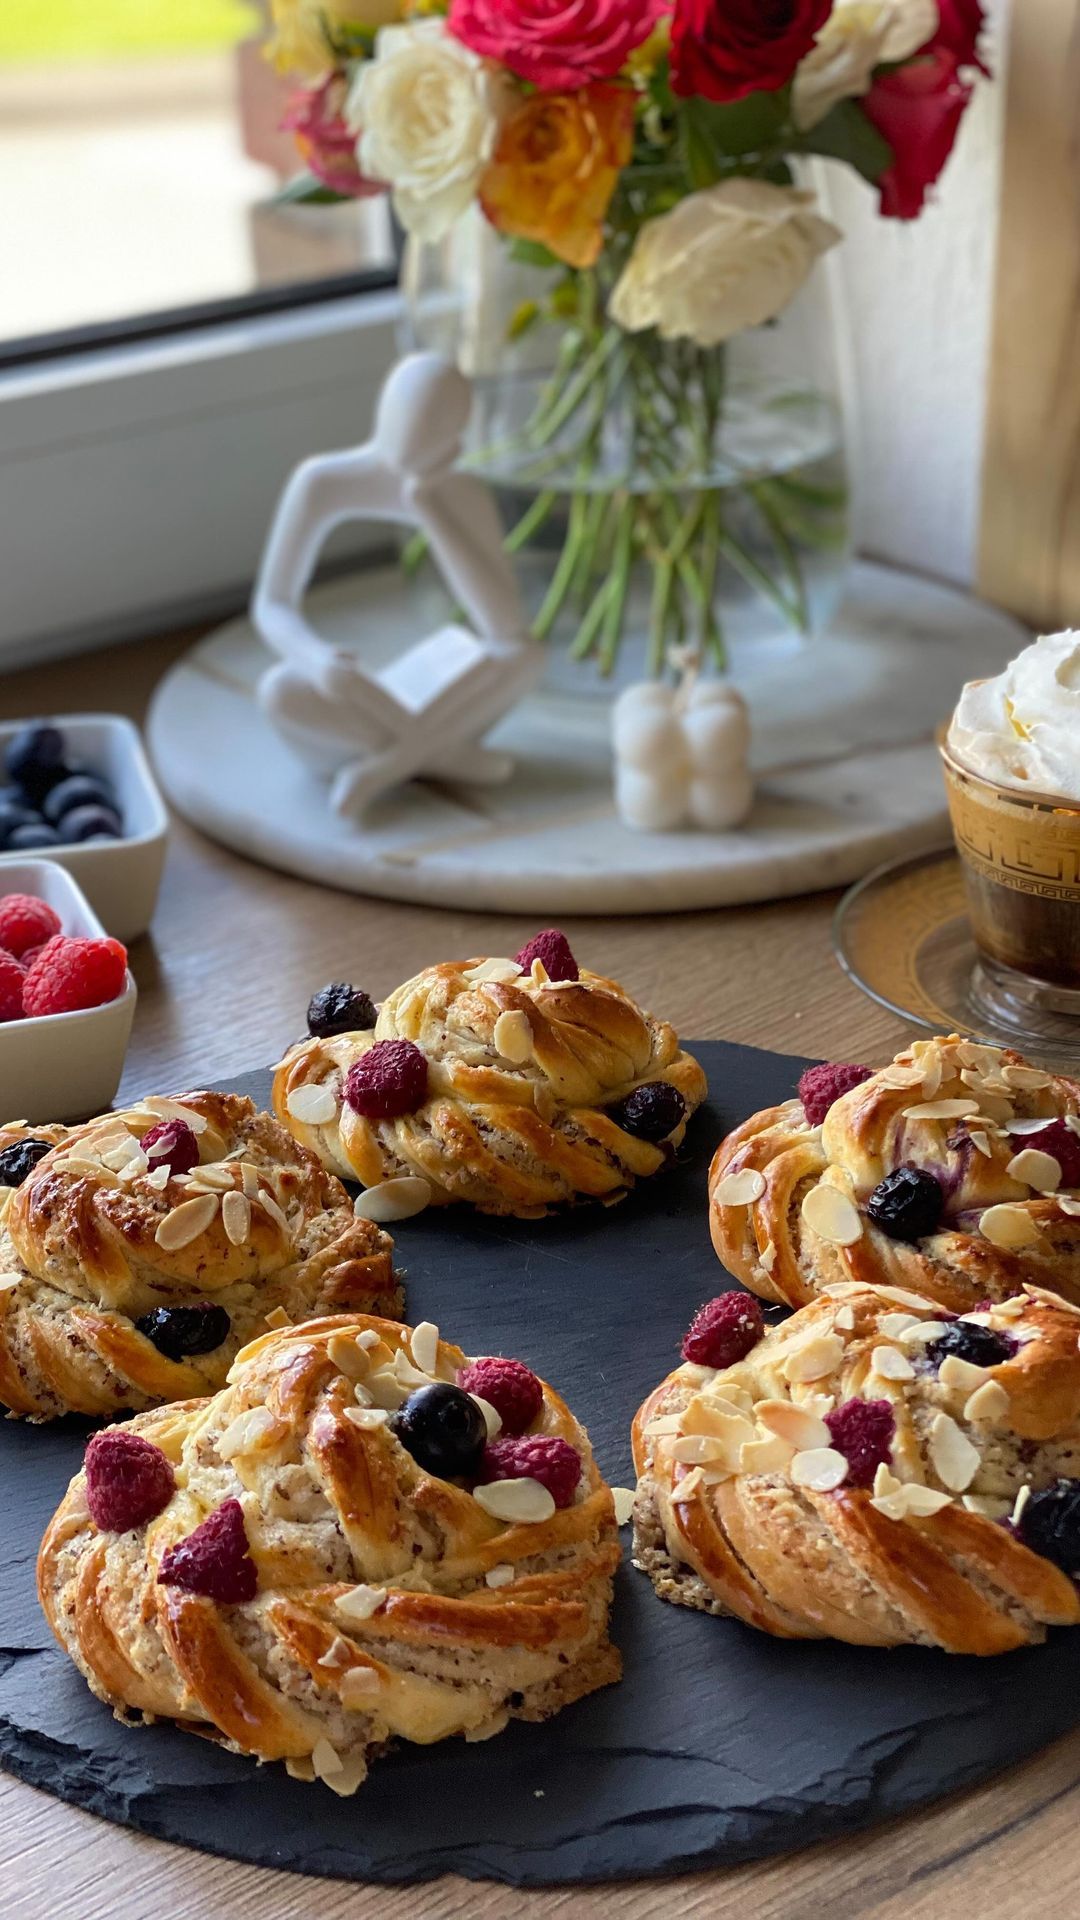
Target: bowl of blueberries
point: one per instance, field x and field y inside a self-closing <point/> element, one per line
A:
<point x="78" y="790"/>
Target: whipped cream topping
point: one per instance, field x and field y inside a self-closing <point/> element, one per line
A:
<point x="1022" y="729"/>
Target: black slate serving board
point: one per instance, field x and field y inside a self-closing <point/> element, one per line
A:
<point x="719" y="1745"/>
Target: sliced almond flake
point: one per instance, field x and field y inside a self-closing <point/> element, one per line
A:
<point x="911" y="1503"/>
<point x="249" y="1179"/>
<point x="10" y="1280"/>
<point x="349" y="1359"/>
<point x="492" y="1416"/>
<point x="690" y="1484"/>
<point x="819" y="1357"/>
<point x="955" y="1460"/>
<point x="623" y="1498"/>
<point x="697" y="1449"/>
<point x="845" y="1319"/>
<point x="367" y="1339"/>
<point x="314" y="1104"/>
<point x="385" y="1390"/>
<point x="404" y="1371"/>
<point x="299" y="1767"/>
<point x="1029" y="1079"/>
<point x="890" y="1364"/>
<point x="923" y="1332"/>
<point x="941" y="1110"/>
<point x="885" y="1482"/>
<point x="175" y="1110"/>
<point x="220" y="1179"/>
<point x="1065" y="1205"/>
<point x="1012" y="1308"/>
<point x="977" y="1053"/>
<point x="352" y="1776"/>
<point x="186" y="1222"/>
<point x="899" y="1077"/>
<point x="713" y="1421"/>
<point x="325" y="1759"/>
<point x="1036" y="1169"/>
<point x="518" y="1502"/>
<point x="1008" y="1226"/>
<point x="271" y="1208"/>
<point x="664" y="1423"/>
<point x="895" y="1325"/>
<point x="962" y="1374"/>
<point x="278" y="1318"/>
<point x="512" y="1035"/>
<point x="767" y="1258"/>
<point x="390" y="1200"/>
<point x="1036" y="1125"/>
<point x="360" y="1602"/>
<point x="368" y="1419"/>
<point x="989" y="1402"/>
<point x="896" y="1296"/>
<point x="693" y="1375"/>
<point x="503" y="971"/>
<point x="765" y="1456"/>
<point x="820" y="1469"/>
<point x="739" y="1189"/>
<point x="250" y="1432"/>
<point x="832" y="1216"/>
<point x="987" y="1505"/>
<point x="338" y="1654"/>
<point x="933" y="1074"/>
<point x="236" y="1218"/>
<point x="117" y="1156"/>
<point x="158" y="1179"/>
<point x="1050" y="1299"/>
<point x="424" y="1346"/>
<point x="714" y="1476"/>
<point x="981" y="1143"/>
<point x="358" y="1686"/>
<point x="502" y="1575"/>
<point x="87" y="1169"/>
<point x="1020" y="1503"/>
<point x="488" y="1729"/>
<point x="539" y="974"/>
<point x="996" y="1108"/>
<point x="801" y="1429"/>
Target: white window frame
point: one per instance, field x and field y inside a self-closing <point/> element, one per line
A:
<point x="137" y="482"/>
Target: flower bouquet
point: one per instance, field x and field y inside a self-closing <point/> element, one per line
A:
<point x="645" y="158"/>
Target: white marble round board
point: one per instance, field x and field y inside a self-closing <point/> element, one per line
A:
<point x="847" y="772"/>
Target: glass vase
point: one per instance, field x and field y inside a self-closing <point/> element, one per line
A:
<point x="663" y="502"/>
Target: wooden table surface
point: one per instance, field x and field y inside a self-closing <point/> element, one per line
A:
<point x="235" y="952"/>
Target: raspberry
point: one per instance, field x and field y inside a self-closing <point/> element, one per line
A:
<point x="552" y="949"/>
<point x="507" y="1385"/>
<point x="27" y="959"/>
<point x="25" y="923"/>
<point x="214" y="1560"/>
<point x="128" y="1481"/>
<point x="862" y="1430"/>
<point x="555" y="1463"/>
<point x="72" y="974"/>
<point x="1056" y="1139"/>
<point x="173" y="1144"/>
<point x="390" y="1078"/>
<point x="12" y="982"/>
<point x="724" y="1330"/>
<point x="820" y="1086"/>
<point x="651" y="1112"/>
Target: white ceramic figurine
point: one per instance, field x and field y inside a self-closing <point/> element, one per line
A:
<point x="681" y="756"/>
<point x="426" y="714"/>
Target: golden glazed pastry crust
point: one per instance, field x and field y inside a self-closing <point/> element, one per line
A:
<point x="738" y="1532"/>
<point x="85" y="1251"/>
<point x="337" y="1513"/>
<point x="520" y="1071"/>
<point x="778" y="1244"/>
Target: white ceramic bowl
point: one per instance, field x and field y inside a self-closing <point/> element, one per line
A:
<point x="65" y="1066"/>
<point x="120" y="878"/>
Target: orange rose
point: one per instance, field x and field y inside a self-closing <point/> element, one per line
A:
<point x="555" y="166"/>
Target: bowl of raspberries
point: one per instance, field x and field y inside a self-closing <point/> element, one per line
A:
<point x="67" y="998"/>
<point x="78" y="790"/>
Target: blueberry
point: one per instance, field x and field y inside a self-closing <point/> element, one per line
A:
<point x="983" y="1346"/>
<point x="179" y="1331"/>
<point x="19" y="1160"/>
<point x="15" y="814"/>
<point x="1050" y="1524"/>
<point x="78" y="790"/>
<point x="443" y="1429"/>
<point x="35" y="759"/>
<point x="340" y="1008"/>
<point x="28" y="838"/>
<point x="651" y="1112"/>
<point x="908" y="1204"/>
<point x="89" y="823"/>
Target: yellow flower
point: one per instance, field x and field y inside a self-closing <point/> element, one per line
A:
<point x="555" y="168"/>
<point x="299" y="43"/>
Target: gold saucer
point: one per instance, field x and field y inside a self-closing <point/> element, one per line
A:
<point x="903" y="936"/>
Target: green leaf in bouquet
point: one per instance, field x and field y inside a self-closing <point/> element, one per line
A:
<point x="756" y="124"/>
<point x="532" y="253"/>
<point x="846" y="134"/>
<point x="307" y="190"/>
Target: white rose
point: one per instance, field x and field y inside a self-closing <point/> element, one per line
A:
<point x="858" y="36"/>
<point x="723" y="259"/>
<point x="427" y="111"/>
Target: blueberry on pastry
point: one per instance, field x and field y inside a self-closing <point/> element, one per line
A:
<point x="876" y="1472"/>
<point x="139" y="1252"/>
<point x="338" y="1548"/>
<point x="954" y="1172"/>
<point x="510" y="1085"/>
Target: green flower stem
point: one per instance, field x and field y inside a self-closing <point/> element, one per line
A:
<point x="564" y="572"/>
<point x="530" y="522"/>
<point x="620" y="584"/>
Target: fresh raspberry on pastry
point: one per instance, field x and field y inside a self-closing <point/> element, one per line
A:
<point x="510" y="1085"/>
<point x="723" y="1330"/>
<point x="864" y="1475"/>
<point x="510" y="1387"/>
<point x="128" y="1481"/>
<point x="317" y="1581"/>
<point x="820" y="1086"/>
<point x="953" y="1172"/>
<point x="143" y="1250"/>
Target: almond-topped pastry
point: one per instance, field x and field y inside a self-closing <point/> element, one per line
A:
<point x="871" y="1470"/>
<point x="512" y="1085"/>
<point x="140" y="1251"/>
<point x="954" y="1172"/>
<point x="347" y="1544"/>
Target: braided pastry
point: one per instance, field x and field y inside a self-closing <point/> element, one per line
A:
<point x="954" y="1172"/>
<point x="124" y="1282"/>
<point x="516" y="1091"/>
<point x="851" y="1476"/>
<point x="290" y="1578"/>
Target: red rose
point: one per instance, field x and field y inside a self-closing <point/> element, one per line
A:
<point x="557" y="44"/>
<point x="724" y="51"/>
<point x="918" y="108"/>
<point x="959" y="28"/>
<point x="324" y="140"/>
